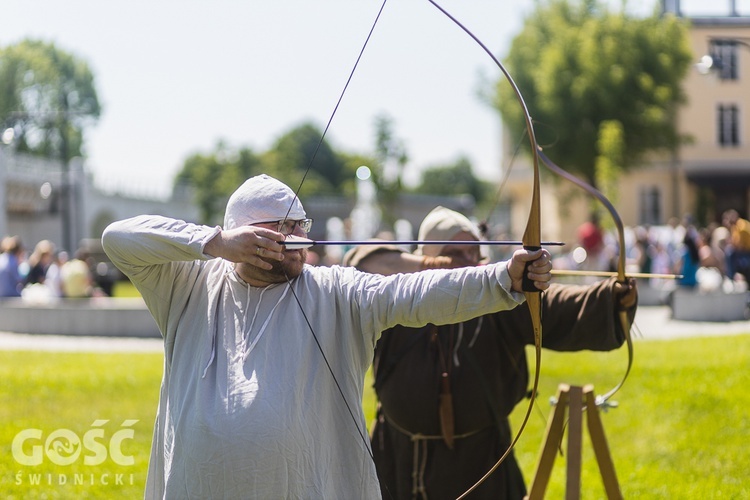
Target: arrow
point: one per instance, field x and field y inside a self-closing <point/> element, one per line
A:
<point x="579" y="272"/>
<point x="297" y="243"/>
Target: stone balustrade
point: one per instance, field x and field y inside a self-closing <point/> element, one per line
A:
<point x="116" y="317"/>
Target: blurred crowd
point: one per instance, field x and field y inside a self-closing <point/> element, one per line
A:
<point x="48" y="273"/>
<point x="711" y="258"/>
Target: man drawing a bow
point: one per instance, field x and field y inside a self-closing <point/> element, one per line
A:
<point x="248" y="406"/>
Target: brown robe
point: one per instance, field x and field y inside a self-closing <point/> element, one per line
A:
<point x="484" y="361"/>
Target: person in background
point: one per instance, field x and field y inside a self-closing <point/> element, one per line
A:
<point x="75" y="277"/>
<point x="640" y="255"/>
<point x="598" y="255"/>
<point x="39" y="262"/>
<point x="737" y="251"/>
<point x="710" y="251"/>
<point x="688" y="261"/>
<point x="248" y="406"/>
<point x="13" y="254"/>
<point x="661" y="262"/>
<point x="445" y="390"/>
<point x="53" y="278"/>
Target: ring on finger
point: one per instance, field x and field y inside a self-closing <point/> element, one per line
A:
<point x="257" y="251"/>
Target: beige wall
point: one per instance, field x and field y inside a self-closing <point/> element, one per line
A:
<point x="706" y="92"/>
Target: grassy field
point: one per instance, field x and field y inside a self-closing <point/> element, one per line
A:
<point x="681" y="430"/>
<point x="51" y="391"/>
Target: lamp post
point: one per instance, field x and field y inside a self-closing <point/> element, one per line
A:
<point x="68" y="194"/>
<point x="66" y="184"/>
<point x="713" y="61"/>
<point x="5" y="140"/>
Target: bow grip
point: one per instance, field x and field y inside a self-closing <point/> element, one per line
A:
<point x="527" y="285"/>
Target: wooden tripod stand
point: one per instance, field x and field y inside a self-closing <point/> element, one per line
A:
<point x="571" y="400"/>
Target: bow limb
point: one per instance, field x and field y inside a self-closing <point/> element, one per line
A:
<point x="621" y="276"/>
<point x="531" y="241"/>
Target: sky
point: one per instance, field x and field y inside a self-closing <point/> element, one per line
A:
<point x="175" y="77"/>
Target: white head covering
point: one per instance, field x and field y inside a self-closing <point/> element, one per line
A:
<point x="443" y="224"/>
<point x="262" y="199"/>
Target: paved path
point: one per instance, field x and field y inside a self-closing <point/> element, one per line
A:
<point x="655" y="322"/>
<point x="71" y="343"/>
<point x="652" y="323"/>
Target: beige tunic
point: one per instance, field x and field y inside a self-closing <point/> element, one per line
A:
<point x="248" y="407"/>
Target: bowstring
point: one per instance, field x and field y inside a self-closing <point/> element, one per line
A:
<point x="363" y="436"/>
<point x="506" y="177"/>
<point x="533" y="237"/>
<point x="335" y="109"/>
<point x="622" y="277"/>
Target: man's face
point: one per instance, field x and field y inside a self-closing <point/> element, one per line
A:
<point x="468" y="254"/>
<point x="289" y="268"/>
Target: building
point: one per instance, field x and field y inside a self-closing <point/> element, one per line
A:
<point x="716" y="167"/>
<point x="38" y="200"/>
<point x="703" y="178"/>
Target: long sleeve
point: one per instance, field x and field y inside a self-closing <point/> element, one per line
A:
<point x="160" y="256"/>
<point x="573" y="318"/>
<point x="147" y="240"/>
<point x="435" y="296"/>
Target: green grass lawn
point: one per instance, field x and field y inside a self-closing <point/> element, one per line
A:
<point x="682" y="427"/>
<point x="51" y="391"/>
<point x="681" y="430"/>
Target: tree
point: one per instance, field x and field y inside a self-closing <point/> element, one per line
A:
<point x="215" y="176"/>
<point x="583" y="70"/>
<point x="300" y="148"/>
<point x="48" y="98"/>
<point x="391" y="154"/>
<point x="453" y="179"/>
<point x="391" y="158"/>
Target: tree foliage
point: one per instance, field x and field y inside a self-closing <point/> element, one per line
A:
<point x="214" y="176"/>
<point x="580" y="65"/>
<point x="391" y="154"/>
<point x="611" y="149"/>
<point x="300" y="148"/>
<point x="453" y="179"/>
<point x="388" y="169"/>
<point x="48" y="98"/>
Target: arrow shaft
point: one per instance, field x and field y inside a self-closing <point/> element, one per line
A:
<point x="578" y="272"/>
<point x="431" y="242"/>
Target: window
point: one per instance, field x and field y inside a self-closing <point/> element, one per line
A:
<point x="728" y="125"/>
<point x="724" y="54"/>
<point x="650" y="205"/>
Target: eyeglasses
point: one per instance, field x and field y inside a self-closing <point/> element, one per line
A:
<point x="287" y="227"/>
